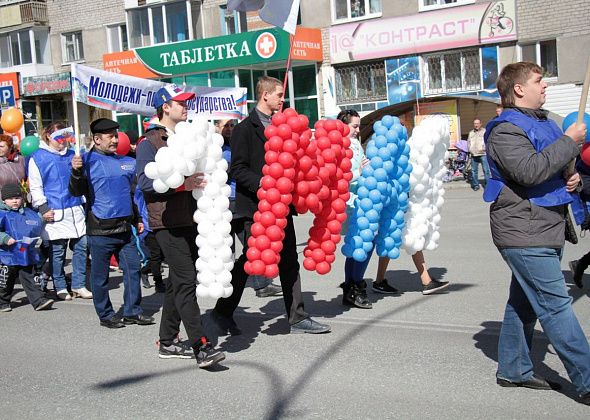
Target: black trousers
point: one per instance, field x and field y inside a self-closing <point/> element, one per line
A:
<point x="180" y="299"/>
<point x="288" y="271"/>
<point x="28" y="280"/>
<point x="156" y="255"/>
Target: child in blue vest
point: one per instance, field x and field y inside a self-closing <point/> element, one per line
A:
<point x="20" y="228"/>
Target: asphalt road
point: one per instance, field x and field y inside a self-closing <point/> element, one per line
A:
<point x="411" y="356"/>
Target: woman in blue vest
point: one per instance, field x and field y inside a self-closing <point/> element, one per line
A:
<point x="49" y="174"/>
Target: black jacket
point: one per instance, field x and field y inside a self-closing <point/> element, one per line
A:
<point x="247" y="160"/>
<point x="514" y="220"/>
<point x="78" y="186"/>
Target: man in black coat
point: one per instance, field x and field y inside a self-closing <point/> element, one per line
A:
<point x="247" y="151"/>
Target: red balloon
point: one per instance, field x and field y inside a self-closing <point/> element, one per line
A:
<point x="335" y="137"/>
<point x="270" y="131"/>
<point x="257" y="267"/>
<point x="311" y="150"/>
<point x="315" y="185"/>
<point x="284" y="131"/>
<point x="276" y="246"/>
<point x="267" y="182"/>
<point x="253" y="254"/>
<point x="322" y="268"/>
<point x="280" y="210"/>
<point x="271" y="271"/>
<point x="323" y="142"/>
<point x="275" y="170"/>
<point x="342" y="186"/>
<point x="305" y="163"/>
<point x="346" y="142"/>
<point x="339" y="205"/>
<point x="331" y="167"/>
<point x="286" y="198"/>
<point x="268" y="257"/>
<point x="330" y="258"/>
<point x="585" y="154"/>
<point x="320" y="132"/>
<point x="264" y="205"/>
<point x="324" y="193"/>
<point x="309" y="264"/>
<point x="282" y="223"/>
<point x="349" y="153"/>
<point x="289" y="173"/>
<point x="345" y="196"/>
<point x="295" y="137"/>
<point x="340" y="126"/>
<point x="324" y="174"/>
<point x="265" y="170"/>
<point x="330" y="125"/>
<point x="262" y="242"/>
<point x="303" y="142"/>
<point x="329" y="155"/>
<point x="335" y="238"/>
<point x="271" y="157"/>
<point x="334" y="226"/>
<point x="261" y="194"/>
<point x="286" y="159"/>
<point x="257" y="229"/>
<point x="347" y="176"/>
<point x="248" y="267"/>
<point x="341" y="217"/>
<point x="252" y="241"/>
<point x="345" y="165"/>
<point x="312" y="200"/>
<point x="267" y="219"/>
<point x="279" y="118"/>
<point x="304" y="121"/>
<point x="290" y="112"/>
<point x="307" y="252"/>
<point x="302" y="188"/>
<point x="124" y="145"/>
<point x="295" y="124"/>
<point x="284" y="185"/>
<point x="290" y="146"/>
<point x="274" y="233"/>
<point x="275" y="144"/>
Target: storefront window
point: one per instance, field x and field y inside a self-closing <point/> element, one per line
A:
<point x="544" y="53"/>
<point x="139" y="31"/>
<point x="177" y="22"/>
<point x="361" y="82"/>
<point x="169" y="23"/>
<point x="308" y="107"/>
<point x="343" y="10"/>
<point x="246" y="81"/>
<point x="223" y="78"/>
<point x="197" y="80"/>
<point x="452" y="72"/>
<point x="158" y="25"/>
<point x="179" y="80"/>
<point x="305" y="81"/>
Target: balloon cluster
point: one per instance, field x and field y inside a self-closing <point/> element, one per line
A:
<point x="382" y="194"/>
<point x="195" y="147"/>
<point x="572" y="118"/>
<point x="428" y="144"/>
<point x="12" y="120"/>
<point x="286" y="135"/>
<point x="323" y="179"/>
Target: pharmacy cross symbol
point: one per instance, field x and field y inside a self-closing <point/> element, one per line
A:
<point x="266" y="45"/>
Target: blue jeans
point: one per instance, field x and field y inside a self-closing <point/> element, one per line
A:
<point x="475" y="162"/>
<point x="354" y="271"/>
<point x="538" y="291"/>
<point x="57" y="258"/>
<point x="124" y="248"/>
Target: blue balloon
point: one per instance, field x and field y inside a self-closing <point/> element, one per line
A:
<point x="409" y="168"/>
<point x="375" y="196"/>
<point x="359" y="255"/>
<point x="362" y="223"/>
<point x="357" y="241"/>
<point x="376" y="162"/>
<point x="370" y="182"/>
<point x="384" y="154"/>
<point x="395" y="120"/>
<point x="347" y="249"/>
<point x="402" y="197"/>
<point x="393" y="254"/>
<point x="393" y="148"/>
<point x="380" y="141"/>
<point x="380" y="174"/>
<point x="366" y="204"/>
<point x="389" y="167"/>
<point x="374" y="226"/>
<point x="362" y="192"/>
<point x="378" y="207"/>
<point x="399" y="217"/>
<point x="393" y="227"/>
<point x="399" y="171"/>
<point x="380" y="130"/>
<point x="372" y="151"/>
<point x="406" y="150"/>
<point x="403" y="161"/>
<point x="377" y="124"/>
<point x="372" y="216"/>
<point x="368" y="246"/>
<point x="572" y="117"/>
<point x="396" y="235"/>
<point x="388" y="243"/>
<point x="360" y="212"/>
<point x="392" y="137"/>
<point x="404" y="179"/>
<point x="400" y="129"/>
<point x="367" y="171"/>
<point x="367" y="235"/>
<point x="382" y="188"/>
<point x="387" y="121"/>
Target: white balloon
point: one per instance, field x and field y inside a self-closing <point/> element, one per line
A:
<point x="183" y="128"/>
<point x="176" y="143"/>
<point x="214" y="215"/>
<point x="215" y="239"/>
<point x="226" y="190"/>
<point x="216" y="290"/>
<point x="205" y="203"/>
<point x="175" y="180"/>
<point x="223" y="278"/>
<point x="180" y="165"/>
<point x="222" y="165"/>
<point x="151" y="170"/>
<point x="160" y="186"/>
<point x="205" y="228"/>
<point x="229" y="266"/>
<point x="227" y="215"/>
<point x="216" y="265"/>
<point x="219" y="177"/>
<point x="206" y="277"/>
<point x="228" y="241"/>
<point x="200" y="264"/>
<point x="165" y="168"/>
<point x="202" y="291"/>
<point x="210" y="164"/>
<point x="201" y="124"/>
<point x="223" y="227"/>
<point x="164" y="154"/>
<point x="221" y="202"/>
<point x="191" y="150"/>
<point x="197" y="193"/>
<point x="212" y="190"/>
<point x="200" y="241"/>
<point x="227" y="291"/>
<point x="225" y="253"/>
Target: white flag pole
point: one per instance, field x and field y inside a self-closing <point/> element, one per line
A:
<point x="73" y="75"/>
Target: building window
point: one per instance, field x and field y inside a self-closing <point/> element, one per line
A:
<point x="362" y="82"/>
<point x="454" y="71"/>
<point x="232" y="22"/>
<point x="346" y="10"/>
<point x="544" y="53"/>
<point x="16" y="48"/>
<point x="72" y="47"/>
<point x="162" y="23"/>
<point x="117" y="38"/>
<point x="425" y="5"/>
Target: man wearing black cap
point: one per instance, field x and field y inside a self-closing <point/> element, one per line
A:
<point x="108" y="180"/>
<point x="171" y="218"/>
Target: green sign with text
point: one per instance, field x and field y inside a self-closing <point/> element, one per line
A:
<point x="228" y="51"/>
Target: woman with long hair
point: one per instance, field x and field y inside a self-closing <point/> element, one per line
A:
<point x="12" y="164"/>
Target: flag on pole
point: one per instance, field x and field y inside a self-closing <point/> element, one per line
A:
<point x="280" y="13"/>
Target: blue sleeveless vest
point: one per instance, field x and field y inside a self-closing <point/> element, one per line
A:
<point x="19" y="225"/>
<point x="55" y="172"/>
<point x="541" y="133"/>
<point x="110" y="178"/>
<point x="232" y="183"/>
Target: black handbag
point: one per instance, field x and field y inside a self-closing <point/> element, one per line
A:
<point x="570" y="229"/>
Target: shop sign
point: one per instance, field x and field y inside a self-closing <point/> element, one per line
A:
<point x="46" y="85"/>
<point x="456" y="27"/>
<point x="447" y="109"/>
<point x="230" y="51"/>
<point x="10" y="79"/>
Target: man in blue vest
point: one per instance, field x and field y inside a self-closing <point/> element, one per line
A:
<point x="108" y="182"/>
<point x="529" y="190"/>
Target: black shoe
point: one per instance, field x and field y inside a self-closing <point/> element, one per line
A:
<point x="309" y="326"/>
<point x="139" y="319"/>
<point x="207" y="356"/>
<point x="536" y="382"/>
<point x="44" y="305"/>
<point x="385" y="288"/>
<point x="577" y="273"/>
<point x="225" y="325"/>
<point x="434" y="286"/>
<point x="176" y="350"/>
<point x="270" y="290"/>
<point x="356" y="295"/>
<point x="160" y="286"/>
<point x="585" y="398"/>
<point x="5" y="307"/>
<point x="114" y="322"/>
<point x="145" y="282"/>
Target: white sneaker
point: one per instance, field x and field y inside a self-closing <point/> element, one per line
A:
<point x="64" y="295"/>
<point x="83" y="293"/>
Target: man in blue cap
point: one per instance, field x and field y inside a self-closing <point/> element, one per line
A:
<point x="107" y="180"/>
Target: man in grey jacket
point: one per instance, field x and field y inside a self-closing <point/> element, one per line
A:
<point x="529" y="191"/>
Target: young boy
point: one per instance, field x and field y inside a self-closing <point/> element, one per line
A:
<point x="19" y="226"/>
